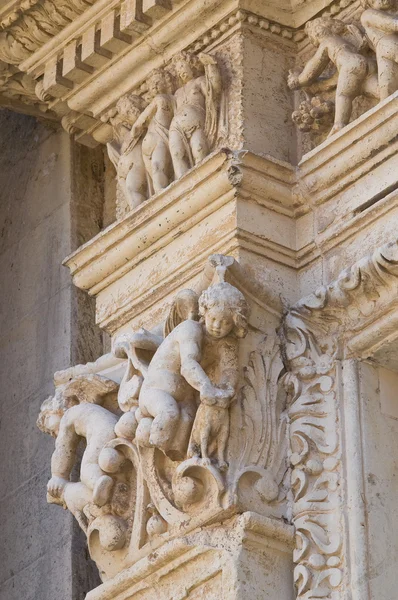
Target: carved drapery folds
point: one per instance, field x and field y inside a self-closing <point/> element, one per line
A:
<point x="352" y="59"/>
<point x="160" y="136"/>
<point x="189" y="436"/>
<point x="314" y="335"/>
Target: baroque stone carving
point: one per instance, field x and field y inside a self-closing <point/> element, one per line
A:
<point x="311" y="333"/>
<point x="186" y="436"/>
<point x="75" y="412"/>
<point x="381" y="27"/>
<point x="159" y="137"/>
<point x="340" y="44"/>
<point x="127" y="158"/>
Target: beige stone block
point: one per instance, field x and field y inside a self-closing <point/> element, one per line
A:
<point x="249" y="555"/>
<point x="92" y="53"/>
<point x="54" y="83"/>
<point x="112" y="38"/>
<point x="73" y="67"/>
<point x="155" y="9"/>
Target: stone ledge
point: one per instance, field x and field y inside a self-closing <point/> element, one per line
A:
<point x="198" y="215"/>
<point x="214" y="547"/>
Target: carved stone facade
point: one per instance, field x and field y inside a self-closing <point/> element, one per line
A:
<point x="232" y="215"/>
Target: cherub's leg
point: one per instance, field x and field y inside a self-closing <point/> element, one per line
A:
<point x="343" y="111"/>
<point x="178" y="153"/>
<point x="187" y="416"/>
<point x="95" y="479"/>
<point x="163" y="407"/>
<point x="136" y="185"/>
<point x="143" y="432"/>
<point x="161" y="166"/>
<point x="387" y="71"/>
<point x="371" y="86"/>
<point x="349" y="85"/>
<point x="199" y="145"/>
<point x="204" y="442"/>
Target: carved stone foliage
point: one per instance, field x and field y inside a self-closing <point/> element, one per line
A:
<point x="37" y="22"/>
<point x="363" y="57"/>
<point x="311" y="333"/>
<point x="189" y="436"/>
<point x="159" y="136"/>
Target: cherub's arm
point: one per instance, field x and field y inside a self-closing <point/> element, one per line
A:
<point x="212" y="72"/>
<point x="379" y="20"/>
<point x="63" y="458"/>
<point x="314" y="67"/>
<point x="228" y="364"/>
<point x="144" y="118"/>
<point x="190" y="354"/>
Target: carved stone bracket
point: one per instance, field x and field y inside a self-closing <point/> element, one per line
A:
<point x="191" y="434"/>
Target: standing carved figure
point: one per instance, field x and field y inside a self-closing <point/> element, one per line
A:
<point x="180" y="367"/>
<point x="224" y="312"/>
<point x="155" y="121"/>
<point x="194" y="126"/>
<point x="381" y="29"/>
<point x="132" y="187"/>
<point x="356" y="74"/>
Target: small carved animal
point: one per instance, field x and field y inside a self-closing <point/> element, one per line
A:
<point x="210" y="430"/>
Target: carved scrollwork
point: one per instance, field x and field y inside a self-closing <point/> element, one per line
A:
<point x="310" y="334"/>
<point x="316" y="468"/>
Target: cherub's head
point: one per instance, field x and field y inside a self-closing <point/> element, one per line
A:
<point x="128" y="109"/>
<point x="378" y="4"/>
<point x="159" y="81"/>
<point x="187" y="66"/>
<point x="224" y="310"/>
<point x="51" y="412"/>
<point x="323" y="26"/>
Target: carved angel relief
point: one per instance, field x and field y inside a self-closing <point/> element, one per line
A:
<point x="363" y="59"/>
<point x="354" y="74"/>
<point x="159" y="137"/>
<point x="186" y="436"/>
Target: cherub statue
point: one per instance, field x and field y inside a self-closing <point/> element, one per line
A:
<point x="224" y="311"/>
<point x="155" y="121"/>
<point x="381" y="27"/>
<point x="182" y="366"/>
<point x="139" y="348"/>
<point x="132" y="186"/>
<point x="194" y="125"/>
<point x="68" y="421"/>
<point x="356" y="74"/>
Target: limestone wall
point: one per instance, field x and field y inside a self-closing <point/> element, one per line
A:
<point x="40" y="317"/>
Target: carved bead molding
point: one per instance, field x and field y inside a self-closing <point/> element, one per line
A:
<point x="315" y="332"/>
